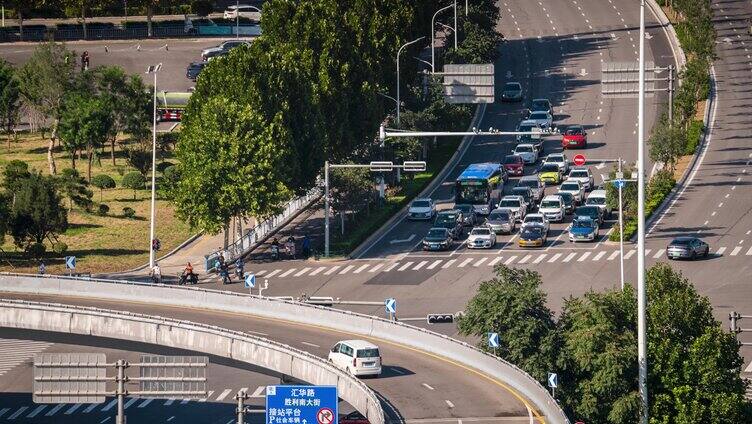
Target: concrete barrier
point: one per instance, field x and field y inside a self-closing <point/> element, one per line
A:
<point x="196" y="337"/>
<point x="519" y="382"/>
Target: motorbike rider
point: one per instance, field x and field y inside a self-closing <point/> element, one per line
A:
<point x="239" y="268"/>
<point x="275" y="248"/>
<point x="188" y="275"/>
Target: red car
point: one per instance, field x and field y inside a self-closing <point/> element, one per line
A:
<point x="514" y="165"/>
<point x="575" y="136"/>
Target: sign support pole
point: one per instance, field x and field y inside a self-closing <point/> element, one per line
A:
<point x="241" y="397"/>
<point x="326" y="209"/>
<point x="621" y="230"/>
<point x="120" y="419"/>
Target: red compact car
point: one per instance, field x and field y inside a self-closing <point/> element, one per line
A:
<point x="514" y="165"/>
<point x="575" y="136"/>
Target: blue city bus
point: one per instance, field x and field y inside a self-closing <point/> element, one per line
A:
<point x="480" y="185"/>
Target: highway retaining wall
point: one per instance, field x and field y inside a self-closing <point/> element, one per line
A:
<point x="195" y="337"/>
<point x="463" y="354"/>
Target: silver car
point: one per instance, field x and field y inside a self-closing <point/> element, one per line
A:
<point x="516" y="204"/>
<point x="527" y="152"/>
<point x="543" y="119"/>
<point x="583" y="175"/>
<point x="501" y="221"/>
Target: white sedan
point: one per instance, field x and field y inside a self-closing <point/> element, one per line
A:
<point x="536" y="219"/>
<point x="481" y="238"/>
<point x="527" y="152"/>
<point x="559" y="159"/>
<point x="543" y="119"/>
<point x="421" y="209"/>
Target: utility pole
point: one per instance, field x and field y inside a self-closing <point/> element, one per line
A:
<point x="642" y="357"/>
<point x="620" y="175"/>
<point x="455" y="24"/>
<point x="153" y="70"/>
<point x="241" y="397"/>
<point x="121" y="378"/>
<point x="237" y="19"/>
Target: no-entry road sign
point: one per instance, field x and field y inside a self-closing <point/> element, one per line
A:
<point x="579" y="159"/>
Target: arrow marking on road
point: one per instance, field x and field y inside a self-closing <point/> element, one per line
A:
<point x="407" y="240"/>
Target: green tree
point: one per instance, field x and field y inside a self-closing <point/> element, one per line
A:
<point x="43" y="82"/>
<point x="628" y="193"/>
<point x="230" y="163"/>
<point x="85" y="124"/>
<point x="513" y="305"/>
<point x="37" y="212"/>
<point x="15" y="171"/>
<point x="667" y="143"/>
<point x="139" y="157"/>
<point x="4" y="216"/>
<point x="75" y="188"/>
<point x="134" y="181"/>
<point x="102" y="182"/>
<point x="202" y="7"/>
<point x="351" y="189"/>
<point x="9" y="98"/>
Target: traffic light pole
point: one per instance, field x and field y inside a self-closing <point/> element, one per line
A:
<point x="621" y="228"/>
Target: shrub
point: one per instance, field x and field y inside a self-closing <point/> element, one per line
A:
<point x="36" y="250"/>
<point x="60" y="248"/>
<point x="129" y="213"/>
<point x="694" y="132"/>
<point x="134" y="181"/>
<point x="102" y="209"/>
<point x="102" y="182"/>
<point x="164" y="165"/>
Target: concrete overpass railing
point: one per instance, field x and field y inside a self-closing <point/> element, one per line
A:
<point x="461" y="353"/>
<point x="160" y="331"/>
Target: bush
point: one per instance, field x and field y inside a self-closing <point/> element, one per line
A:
<point x="102" y="209"/>
<point x="162" y="166"/>
<point x="102" y="182"/>
<point x="129" y="213"/>
<point x="60" y="248"/>
<point x="694" y="132"/>
<point x="202" y="7"/>
<point x="36" y="250"/>
<point x="658" y="189"/>
<point x="134" y="181"/>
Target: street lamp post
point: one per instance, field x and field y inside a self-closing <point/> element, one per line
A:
<point x="621" y="227"/>
<point x="641" y="290"/>
<point x="153" y="70"/>
<point x="398" y="74"/>
<point x="455" y="24"/>
<point x="433" y="32"/>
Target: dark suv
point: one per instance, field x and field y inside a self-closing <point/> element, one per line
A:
<point x="452" y="221"/>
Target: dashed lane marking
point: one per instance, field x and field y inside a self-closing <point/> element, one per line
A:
<point x="376" y="268"/>
<point x="361" y="269"/>
<point x="658" y="254"/>
<point x="405" y="266"/>
<point x="569" y="257"/>
<point x="346" y="269"/>
<point x="735" y="251"/>
<point x="583" y="257"/>
<point x="720" y="250"/>
<point x="302" y="271"/>
<point x="554" y="258"/>
<point x="599" y="256"/>
<point x="449" y="263"/>
<point x="420" y="265"/>
<point x="480" y="262"/>
<point x="434" y="264"/>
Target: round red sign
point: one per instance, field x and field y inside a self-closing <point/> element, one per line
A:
<point x="579" y="159"/>
<point x="325" y="416"/>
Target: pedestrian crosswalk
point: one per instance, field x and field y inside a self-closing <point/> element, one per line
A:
<point x="15" y="352"/>
<point x="512" y="257"/>
<point x="23" y="413"/>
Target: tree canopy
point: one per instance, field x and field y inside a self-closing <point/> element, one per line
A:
<point x="37" y="211"/>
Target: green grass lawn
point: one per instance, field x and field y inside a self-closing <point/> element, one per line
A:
<point x="100" y="243"/>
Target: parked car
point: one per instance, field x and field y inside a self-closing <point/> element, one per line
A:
<point x="502" y="220"/>
<point x="244" y="10"/>
<point x="481" y="238"/>
<point x="527" y="195"/>
<point x="536" y="219"/>
<point x="438" y="239"/>
<point x="528" y="152"/>
<point x="532" y="236"/>
<point x="516" y="204"/>
<point x="451" y="220"/>
<point x="574" y="136"/>
<point x="583" y="175"/>
<point x="469" y="216"/>
<point x="194" y="68"/>
<point x="512" y="92"/>
<point x="550" y="173"/>
<point x="687" y="248"/>
<point x="422" y="208"/>
<point x="358" y="357"/>
<point x="598" y="198"/>
<point x="574" y="188"/>
<point x="583" y="228"/>
<point x="535" y="185"/>
<point x="559" y="159"/>
<point x="553" y="208"/>
<point x="593" y="212"/>
<point x="222" y="49"/>
<point x="514" y="165"/>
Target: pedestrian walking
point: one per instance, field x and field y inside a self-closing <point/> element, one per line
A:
<point x="42" y="268"/>
<point x="85" y="61"/>
<point x="306" y="246"/>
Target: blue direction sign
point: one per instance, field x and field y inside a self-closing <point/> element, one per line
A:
<point x="301" y="405"/>
<point x="493" y="340"/>
<point x="390" y="305"/>
<point x="553" y="380"/>
<point x="619" y="183"/>
<point x="250" y="281"/>
<point x="70" y="262"/>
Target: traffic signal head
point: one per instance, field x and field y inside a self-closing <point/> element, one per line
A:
<point x="439" y="318"/>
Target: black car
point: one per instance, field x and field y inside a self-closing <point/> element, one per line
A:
<point x="527" y="194"/>
<point x="568" y="200"/>
<point x="437" y="239"/>
<point x="512" y="92"/>
<point x="194" y="69"/>
<point x="451" y="220"/>
<point x="687" y="248"/>
<point x="469" y="216"/>
<point x="594" y="212"/>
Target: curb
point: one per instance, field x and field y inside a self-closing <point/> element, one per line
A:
<point x="359" y="251"/>
<point x="165" y="256"/>
<point x="679" y="58"/>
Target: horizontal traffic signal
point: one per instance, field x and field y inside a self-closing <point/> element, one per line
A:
<point x="439" y="318"/>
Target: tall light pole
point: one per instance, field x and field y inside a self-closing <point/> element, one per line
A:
<point x="153" y="70"/>
<point x="433" y="33"/>
<point x="398" y="74"/>
<point x="237" y="19"/>
<point x="641" y="290"/>
<point x="620" y="175"/>
<point x="455" y="24"/>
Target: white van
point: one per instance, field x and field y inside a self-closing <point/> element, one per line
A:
<point x="358" y="357"/>
<point x="244" y="10"/>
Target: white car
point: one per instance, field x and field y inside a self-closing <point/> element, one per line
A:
<point x="516" y="204"/>
<point x="527" y="152"/>
<point x="536" y="219"/>
<point x="358" y="357"/>
<point x="244" y="10"/>
<point x="481" y="238"/>
<point x="423" y="208"/>
<point x="559" y="159"/>
<point x="552" y="207"/>
<point x="222" y="49"/>
<point x="583" y="175"/>
<point x="575" y="188"/>
<point x="598" y="198"/>
<point x="543" y="119"/>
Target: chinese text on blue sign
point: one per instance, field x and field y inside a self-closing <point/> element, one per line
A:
<point x="301" y="405"/>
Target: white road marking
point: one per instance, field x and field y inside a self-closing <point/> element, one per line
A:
<point x="346" y="269"/>
<point x="391" y="267"/>
<point x="647" y="252"/>
<point x="720" y="205"/>
<point x="465" y="262"/>
<point x="361" y="269"/>
<point x="259" y="392"/>
<point x="449" y="404"/>
<point x="130" y="402"/>
<point x="286" y="273"/>
<point x="599" y="256"/>
<point x="449" y="263"/>
<point x="14" y="352"/>
<point x="613" y="255"/>
<point x="659" y="253"/>
<point x="310" y="344"/>
<point x="630" y="253"/>
<point x="525" y="259"/>
<point x="146" y="402"/>
<point x="36" y="411"/>
<point x="735" y="251"/>
<point x="428" y="387"/>
<point x="317" y="270"/>
<point x="90" y="408"/>
<point x="169" y="402"/>
<point x="332" y="270"/>
<point x="405" y="266"/>
<point x="376" y="268"/>
<point x="727" y="195"/>
<point x="713" y="214"/>
<point x="3" y="411"/>
<point x="109" y="405"/>
<point x="583" y="257"/>
<point x="510" y="260"/>
<point x="749" y="368"/>
<point x="73" y="408"/>
<point x="223" y="395"/>
<point x="720" y="250"/>
<point x="554" y="258"/>
<point x="480" y="261"/>
<point x="302" y="271"/>
<point x="494" y="261"/>
<point x="434" y="264"/>
<point x="407" y="240"/>
<point x="271" y="274"/>
<point x="569" y="257"/>
<point x="540" y="258"/>
<point x="749" y="252"/>
<point x="18" y="412"/>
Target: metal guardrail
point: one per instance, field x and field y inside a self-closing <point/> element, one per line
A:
<point x="117" y="32"/>
<point x="397" y="333"/>
<point x="254" y="236"/>
<point x="369" y="405"/>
